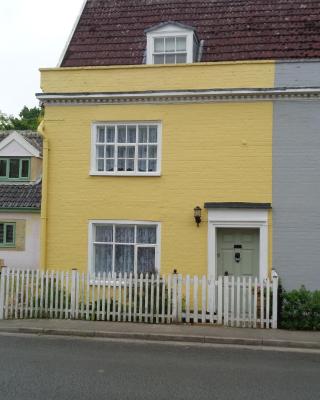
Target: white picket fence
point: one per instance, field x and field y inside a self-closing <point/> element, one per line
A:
<point x="241" y="302"/>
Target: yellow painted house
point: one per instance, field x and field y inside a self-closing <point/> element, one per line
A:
<point x="158" y="146"/>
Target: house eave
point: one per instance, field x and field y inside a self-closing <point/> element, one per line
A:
<point x="181" y="96"/>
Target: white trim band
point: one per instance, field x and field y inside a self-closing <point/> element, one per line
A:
<point x="181" y="96"/>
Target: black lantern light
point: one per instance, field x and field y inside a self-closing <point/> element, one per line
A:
<point x="197" y="215"/>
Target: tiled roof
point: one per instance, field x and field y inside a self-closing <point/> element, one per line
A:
<point x="32" y="137"/>
<point x="20" y="195"/>
<point x="111" y="32"/>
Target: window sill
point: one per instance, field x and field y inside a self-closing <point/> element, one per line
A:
<point x="95" y="173"/>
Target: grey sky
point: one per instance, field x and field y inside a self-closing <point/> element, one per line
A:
<point x="33" y="34"/>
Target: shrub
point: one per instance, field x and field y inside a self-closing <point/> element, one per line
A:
<point x="300" y="309"/>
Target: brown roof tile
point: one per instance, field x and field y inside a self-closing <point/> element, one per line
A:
<point x="20" y="196"/>
<point x="111" y="32"/>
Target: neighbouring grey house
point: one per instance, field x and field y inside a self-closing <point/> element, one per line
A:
<point x="20" y="198"/>
<point x="296" y="176"/>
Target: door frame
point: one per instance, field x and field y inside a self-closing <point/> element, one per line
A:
<point x="238" y="218"/>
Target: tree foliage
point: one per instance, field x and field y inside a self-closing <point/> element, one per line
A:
<point x="29" y="119"/>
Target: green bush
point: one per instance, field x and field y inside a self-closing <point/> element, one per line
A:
<point x="300" y="309"/>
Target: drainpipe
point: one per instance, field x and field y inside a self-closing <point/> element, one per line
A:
<point x="44" y="198"/>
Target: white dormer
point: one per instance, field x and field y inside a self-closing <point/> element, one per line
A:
<point x="16" y="145"/>
<point x="171" y="43"/>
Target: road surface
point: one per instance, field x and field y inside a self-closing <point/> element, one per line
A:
<point x="49" y="368"/>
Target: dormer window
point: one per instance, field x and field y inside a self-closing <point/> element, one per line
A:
<point x="14" y="169"/>
<point x="19" y="159"/>
<point x="170" y="50"/>
<point x="171" y="43"/>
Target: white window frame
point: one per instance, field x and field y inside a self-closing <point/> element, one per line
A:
<point x="92" y="224"/>
<point x="171" y="31"/>
<point x="93" y="170"/>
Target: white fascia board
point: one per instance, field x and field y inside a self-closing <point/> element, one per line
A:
<point x="22" y="142"/>
<point x="71" y="33"/>
<point x="256" y="93"/>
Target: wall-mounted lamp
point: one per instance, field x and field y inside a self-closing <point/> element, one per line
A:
<point x="197" y="215"/>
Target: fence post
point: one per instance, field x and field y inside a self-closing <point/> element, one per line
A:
<point x="220" y="300"/>
<point x="2" y="290"/>
<point x="174" y="299"/>
<point x="275" y="282"/>
<point x="73" y="292"/>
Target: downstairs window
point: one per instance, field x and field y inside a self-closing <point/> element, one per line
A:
<point x="7" y="234"/>
<point x="125" y="248"/>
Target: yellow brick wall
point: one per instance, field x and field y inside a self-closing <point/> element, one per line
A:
<point x="210" y="152"/>
<point x="246" y="74"/>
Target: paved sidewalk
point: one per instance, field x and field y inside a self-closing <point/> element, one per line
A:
<point x="173" y="333"/>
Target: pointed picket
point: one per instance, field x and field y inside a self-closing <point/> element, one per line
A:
<point x="82" y="295"/>
<point x="238" y="302"/>
<point x="51" y="294"/>
<point x="225" y="300"/>
<point x="232" y="301"/>
<point x="244" y="301"/>
<point x="119" y="296"/>
<point x="169" y="311"/>
<point x="103" y="296"/>
<point x="109" y="297"/>
<point x="195" y="299"/>
<point x="56" y="306"/>
<point x="261" y="304"/>
<point x="152" y="299"/>
<point x="255" y="302"/>
<point x="146" y="299"/>
<point x="250" y="302"/>
<point x="188" y="298"/>
<point x="267" y="303"/>
<point x="204" y="299"/>
<point x="7" y="293"/>
<point x="157" y="298"/>
<point x="77" y="296"/>
<point x="13" y="276"/>
<point x="88" y="297"/>
<point x="220" y="300"/>
<point x="130" y="298"/>
<point x="163" y="299"/>
<point x="31" y="294"/>
<point x="125" y="284"/>
<point x="22" y="295"/>
<point x="62" y="288"/>
<point x="37" y="294"/>
<point x="114" y="297"/>
<point x="140" y="296"/>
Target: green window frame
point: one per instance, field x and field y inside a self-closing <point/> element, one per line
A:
<point x="15" y="169"/>
<point x="7" y="234"/>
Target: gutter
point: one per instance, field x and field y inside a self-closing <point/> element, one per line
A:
<point x="20" y="210"/>
<point x="44" y="198"/>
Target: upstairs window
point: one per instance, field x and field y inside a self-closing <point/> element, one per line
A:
<point x="15" y="169"/>
<point x="170" y="50"/>
<point x="171" y="43"/>
<point x="126" y="149"/>
<point x="7" y="234"/>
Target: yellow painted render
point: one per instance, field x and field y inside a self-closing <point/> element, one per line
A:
<point x="245" y="74"/>
<point x="210" y="152"/>
<point x="36" y="168"/>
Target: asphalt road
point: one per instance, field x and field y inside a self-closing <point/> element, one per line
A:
<point x="49" y="368"/>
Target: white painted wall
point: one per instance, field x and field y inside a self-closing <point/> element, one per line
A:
<point x="30" y="257"/>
